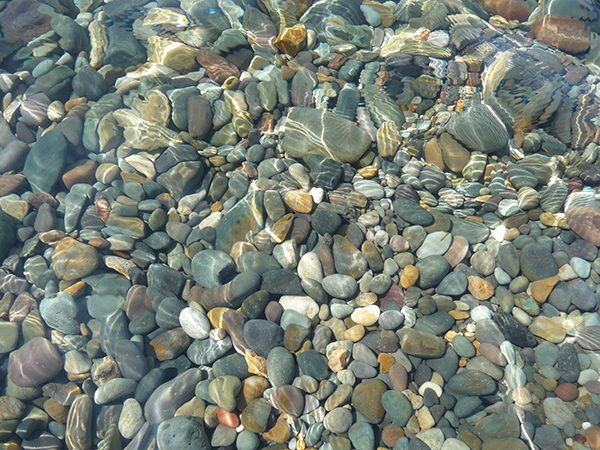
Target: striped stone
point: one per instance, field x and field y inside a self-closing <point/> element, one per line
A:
<point x="589" y="337"/>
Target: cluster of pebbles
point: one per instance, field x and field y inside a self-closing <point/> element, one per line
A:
<point x="332" y="224"/>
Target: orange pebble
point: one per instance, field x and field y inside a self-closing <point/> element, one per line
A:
<point x="227" y="419"/>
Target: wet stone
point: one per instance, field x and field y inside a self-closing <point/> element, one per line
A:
<point x="537" y="263"/>
<point x="35" y="363"/>
<point x="262" y="336"/>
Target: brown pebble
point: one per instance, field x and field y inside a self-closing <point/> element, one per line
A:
<point x="566" y="392"/>
<point x="39" y="198"/>
<point x="399" y="377"/>
<point x="82" y="171"/>
<point x="137" y="302"/>
<point x="10" y="184"/>
<point x="55" y="410"/>
<point x="273" y="311"/>
<point x="592" y="434"/>
<point x="390" y="435"/>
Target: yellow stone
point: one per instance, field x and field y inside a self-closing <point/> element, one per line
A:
<point x="554" y="220"/>
<point x="409" y="276"/>
<point x="77" y="289"/>
<point x="548" y="329"/>
<point x="215" y="316"/>
<point x="299" y="201"/>
<point x="72" y="259"/>
<point x="355" y="333"/>
<point x="521" y="396"/>
<point x="433" y="154"/>
<point x="281" y="432"/>
<point x="388" y="139"/>
<point x="155" y="107"/>
<point x="98" y="42"/>
<point x="480" y="288"/>
<point x="368" y="172"/>
<point x="386" y="361"/>
<point x="177" y="56"/>
<point x="242" y="123"/>
<point x="14" y="206"/>
<point x="195" y="408"/>
<point x="459" y="315"/>
<point x="166" y="16"/>
<point x="292" y="39"/>
<point x="366" y="299"/>
<point x="281" y="228"/>
<point x="337" y="359"/>
<point x="357" y="199"/>
<point x="257" y="365"/>
<point x="540" y="289"/>
<point x="512" y="234"/>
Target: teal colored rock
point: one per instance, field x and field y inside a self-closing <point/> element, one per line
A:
<point x="182" y="433"/>
<point x="397" y="406"/>
<point x="472" y="382"/>
<point x="362" y="436"/>
<point x="246" y="216"/>
<point x="45" y="161"/>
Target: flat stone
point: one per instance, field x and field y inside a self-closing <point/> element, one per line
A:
<point x="557" y="412"/>
<point x="412" y="213"/>
<point x="341" y="140"/>
<point x="422" y="344"/>
<point x="46" y="161"/>
<point x="59" y="311"/>
<point x="472" y="382"/>
<point x="537" y="262"/>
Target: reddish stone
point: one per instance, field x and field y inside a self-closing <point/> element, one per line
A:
<point x="576" y="74"/>
<point x="227" y="419"/>
<point x="566" y="392"/>
<point x="566" y="34"/>
<point x="337" y="62"/>
<point x="34" y="108"/>
<point x="137" y="301"/>
<point x="22" y="306"/>
<point x="35" y="363"/>
<point x="509" y="9"/>
<point x="199" y="116"/>
<point x="575" y="184"/>
<point x="83" y="171"/>
<point x="39" y="198"/>
<point x="22" y="21"/>
<point x="273" y="311"/>
<point x="217" y="67"/>
<point x="394" y="294"/>
<point x="593" y="386"/>
<point x="390" y="435"/>
<point x="585" y="222"/>
<point x="11" y="184"/>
